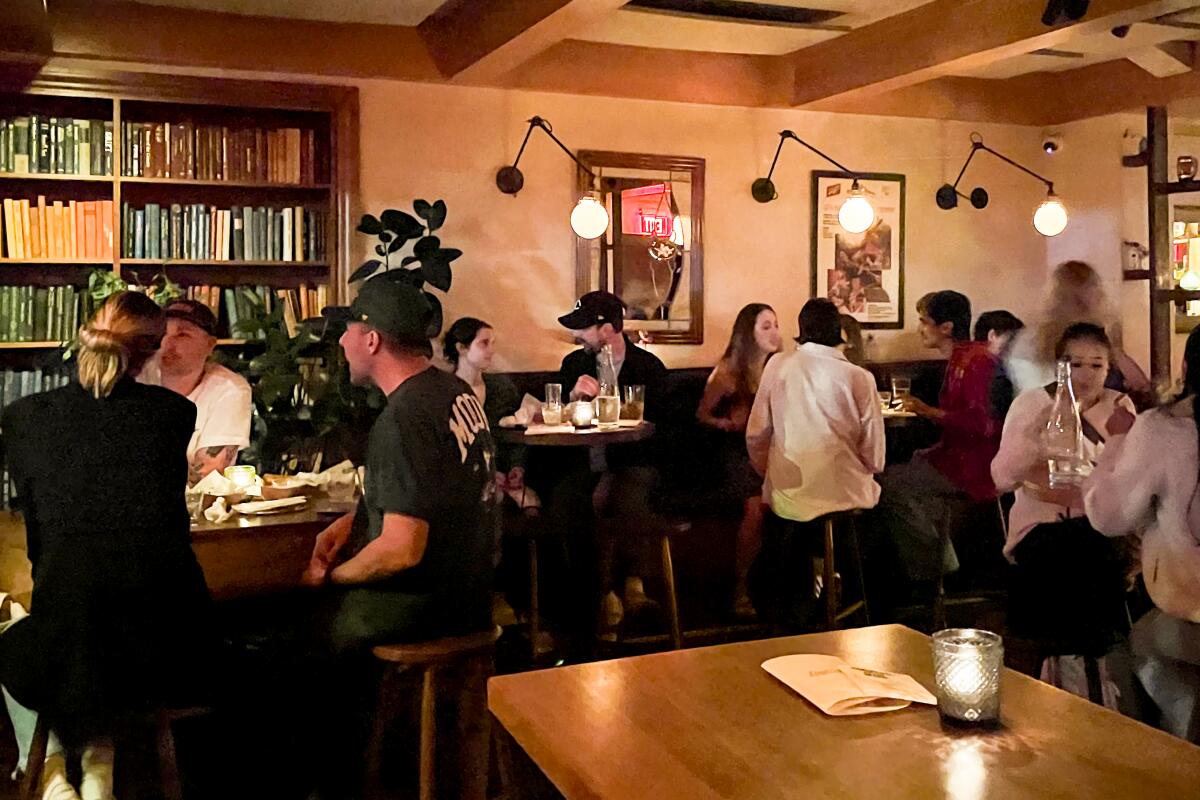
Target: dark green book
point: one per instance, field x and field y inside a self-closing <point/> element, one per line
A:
<point x="164" y="234"/>
<point x="21" y="144"/>
<point x="43" y="145"/>
<point x="176" y="226"/>
<point x="6" y="146"/>
<point x="96" y="142"/>
<point x="139" y="233"/>
<point x="41" y="314"/>
<point x="152" y="236"/>
<point x="126" y="231"/>
<point x="69" y="146"/>
<point x="53" y="140"/>
<point x="5" y="312"/>
<point x="72" y="313"/>
<point x="53" y="328"/>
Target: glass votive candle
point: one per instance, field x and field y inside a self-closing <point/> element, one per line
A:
<point x="966" y="666"/>
<point x="242" y="475"/>
<point x="582" y="414"/>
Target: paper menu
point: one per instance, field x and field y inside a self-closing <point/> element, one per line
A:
<point x="840" y="690"/>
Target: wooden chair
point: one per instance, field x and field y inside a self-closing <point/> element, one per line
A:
<point x="169" y="782"/>
<point x="431" y="657"/>
<point x="832" y="587"/>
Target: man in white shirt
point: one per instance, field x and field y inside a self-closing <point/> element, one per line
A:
<point x="816" y="434"/>
<point x="222" y="397"/>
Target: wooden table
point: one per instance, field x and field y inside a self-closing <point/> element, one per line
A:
<point x="260" y="555"/>
<point x="588" y="437"/>
<point x="710" y="723"/>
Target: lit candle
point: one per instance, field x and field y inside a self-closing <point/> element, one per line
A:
<point x="967" y="665"/>
<point x="582" y="414"/>
<point x="242" y="475"/>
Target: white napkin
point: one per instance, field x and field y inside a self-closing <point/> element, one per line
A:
<point x="838" y="689"/>
<point x="218" y="512"/>
<point x="339" y="475"/>
<point x="525" y="415"/>
<point x="263" y="506"/>
<point x="216" y="485"/>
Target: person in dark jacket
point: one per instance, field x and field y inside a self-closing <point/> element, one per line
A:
<point x="120" y="611"/>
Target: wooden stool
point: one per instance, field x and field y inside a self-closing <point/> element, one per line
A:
<point x="169" y="783"/>
<point x="668" y="571"/>
<point x="530" y="529"/>
<point x="834" y="614"/>
<point x="430" y="657"/>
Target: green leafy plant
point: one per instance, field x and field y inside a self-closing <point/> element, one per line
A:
<point x="395" y="229"/>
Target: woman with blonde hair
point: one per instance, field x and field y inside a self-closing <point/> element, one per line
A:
<point x="1076" y="294"/>
<point x="119" y="613"/>
<point x="728" y="398"/>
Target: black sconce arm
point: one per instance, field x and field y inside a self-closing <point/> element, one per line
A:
<point x="948" y="194"/>
<point x="510" y="180"/>
<point x="763" y="189"/>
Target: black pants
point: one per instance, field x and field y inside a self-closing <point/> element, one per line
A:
<point x="781" y="579"/>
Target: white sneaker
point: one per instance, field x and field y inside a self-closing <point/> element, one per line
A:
<point x="54" y="784"/>
<point x="611" y="611"/>
<point x="97" y="780"/>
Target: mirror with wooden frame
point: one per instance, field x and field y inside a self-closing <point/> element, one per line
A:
<point x="652" y="255"/>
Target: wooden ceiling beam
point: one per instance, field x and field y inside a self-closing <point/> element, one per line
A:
<point x="942" y="37"/>
<point x="26" y="43"/>
<point x="481" y="40"/>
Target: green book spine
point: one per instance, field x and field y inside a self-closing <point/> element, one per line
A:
<point x="96" y="139"/>
<point x="231" y="310"/>
<point x="164" y="233"/>
<point x="152" y="217"/>
<point x="41" y="314"/>
<point x="139" y="233"/>
<point x="83" y="147"/>
<point x="53" y="329"/>
<point x="69" y="147"/>
<point x="5" y="312"/>
<point x="107" y="166"/>
<point x="5" y="146"/>
<point x="54" y="142"/>
<point x="73" y="307"/>
<point x="26" y="316"/>
<point x="43" y="145"/>
<point x="21" y="144"/>
<point x="176" y="250"/>
<point x="126" y="231"/>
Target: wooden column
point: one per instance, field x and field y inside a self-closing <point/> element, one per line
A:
<point x="1159" y="227"/>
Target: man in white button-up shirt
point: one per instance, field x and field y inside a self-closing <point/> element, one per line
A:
<point x="816" y="434"/>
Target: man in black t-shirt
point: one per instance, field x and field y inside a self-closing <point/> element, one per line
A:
<point x="415" y="559"/>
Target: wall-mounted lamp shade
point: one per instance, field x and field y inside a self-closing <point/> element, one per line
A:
<point x="856" y="214"/>
<point x="589" y="220"/>
<point x="1050" y="218"/>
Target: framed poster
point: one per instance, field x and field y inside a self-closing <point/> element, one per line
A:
<point x="862" y="273"/>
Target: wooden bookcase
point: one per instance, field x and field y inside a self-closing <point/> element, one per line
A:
<point x="331" y="112"/>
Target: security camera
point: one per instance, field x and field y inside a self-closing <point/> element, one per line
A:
<point x="1052" y="143"/>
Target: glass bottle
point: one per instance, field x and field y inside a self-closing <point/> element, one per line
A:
<point x="608" y="401"/>
<point x="1063" y="438"/>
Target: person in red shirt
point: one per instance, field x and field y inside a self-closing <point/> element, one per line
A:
<point x="956" y="470"/>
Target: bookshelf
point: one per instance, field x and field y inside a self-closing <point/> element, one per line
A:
<point x="277" y="160"/>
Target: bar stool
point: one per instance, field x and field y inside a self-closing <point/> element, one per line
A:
<point x="529" y="528"/>
<point x="163" y="718"/>
<point x="831" y="589"/>
<point x="476" y="649"/>
<point x="945" y="539"/>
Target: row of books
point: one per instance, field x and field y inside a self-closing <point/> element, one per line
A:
<point x="15" y="384"/>
<point x="40" y="313"/>
<point x="59" y="229"/>
<point x="231" y="305"/>
<point x="56" y="146"/>
<point x="188" y="151"/>
<point x="240" y="233"/>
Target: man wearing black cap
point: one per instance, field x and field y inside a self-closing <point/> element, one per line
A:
<point x="622" y="489"/>
<point x="222" y="397"/>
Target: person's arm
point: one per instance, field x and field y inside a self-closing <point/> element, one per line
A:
<point x="1119" y="495"/>
<point x="872" y="446"/>
<point x="760" y="428"/>
<point x="226" y="430"/>
<point x="717" y="388"/>
<point x="972" y="414"/>
<point x="210" y="459"/>
<point x="400" y="546"/>
<point x="574" y="378"/>
<point x="1020" y="452"/>
<point x="329" y="543"/>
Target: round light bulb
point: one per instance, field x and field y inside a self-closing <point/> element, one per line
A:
<point x="589" y="220"/>
<point x="1050" y="218"/>
<point x="856" y="214"/>
<point x="1190" y="281"/>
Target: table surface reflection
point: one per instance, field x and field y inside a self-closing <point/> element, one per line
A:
<point x="710" y="723"/>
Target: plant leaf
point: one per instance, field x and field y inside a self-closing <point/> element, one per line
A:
<point x="405" y="226"/>
<point x="379" y="251"/>
<point x="435" y="320"/>
<point x="368" y="224"/>
<point x="423" y="209"/>
<point x="435" y="215"/>
<point x="409" y="260"/>
<point x="436" y="266"/>
<point x="411" y="277"/>
<point x="395" y="245"/>
<point x="365" y="271"/>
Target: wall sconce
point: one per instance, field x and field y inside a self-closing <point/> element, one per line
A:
<point x="855" y="215"/>
<point x="1049" y="218"/>
<point x="589" y="219"/>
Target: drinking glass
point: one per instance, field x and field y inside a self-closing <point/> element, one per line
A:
<point x="608" y="410"/>
<point x="967" y="663"/>
<point x="552" y="409"/>
<point x="885" y="400"/>
<point x="900" y="389"/>
<point x="634" y="403"/>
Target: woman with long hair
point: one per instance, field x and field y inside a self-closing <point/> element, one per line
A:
<point x="1149" y="479"/>
<point x="725" y="405"/>
<point x="119" y="608"/>
<point x="1076" y="294"/>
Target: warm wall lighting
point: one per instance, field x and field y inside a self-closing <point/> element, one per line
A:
<point x="587" y="215"/>
<point x="856" y="213"/>
<point x="1049" y="219"/>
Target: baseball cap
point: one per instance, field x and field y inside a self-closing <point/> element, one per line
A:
<point x="594" y="308"/>
<point x="392" y="307"/>
<point x="194" y="312"/>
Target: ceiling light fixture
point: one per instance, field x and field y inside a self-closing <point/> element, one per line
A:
<point x="856" y="213"/>
<point x="589" y="219"/>
<point x="1049" y="218"/>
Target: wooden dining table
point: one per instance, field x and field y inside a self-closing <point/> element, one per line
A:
<point x="711" y="723"/>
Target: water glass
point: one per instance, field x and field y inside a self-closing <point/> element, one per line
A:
<point x="633" y="405"/>
<point x="885" y="400"/>
<point x="900" y="389"/>
<point x="966" y="665"/>
<point x="608" y="410"/>
<point x="552" y="409"/>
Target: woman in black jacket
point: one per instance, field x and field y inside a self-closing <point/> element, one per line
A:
<point x="119" y="616"/>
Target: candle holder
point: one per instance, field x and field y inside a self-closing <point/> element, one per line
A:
<point x="583" y="414"/>
<point x="242" y="475"/>
<point x="967" y="663"/>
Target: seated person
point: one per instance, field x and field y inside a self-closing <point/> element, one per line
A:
<point x="222" y="397"/>
<point x="1147" y="480"/>
<point x="1069" y="584"/>
<point x="816" y="434"/>
<point x="916" y="495"/>
<point x="998" y="328"/>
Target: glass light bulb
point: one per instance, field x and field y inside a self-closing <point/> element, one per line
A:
<point x="1050" y="218"/>
<point x="1190" y="281"/>
<point x="856" y="214"/>
<point x="589" y="220"/>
